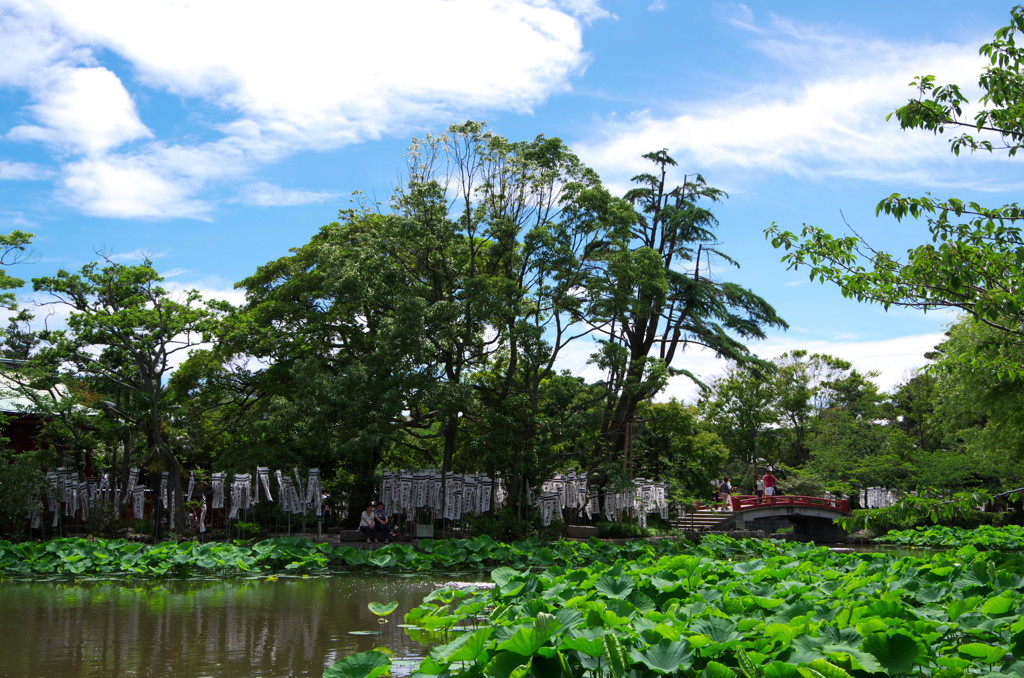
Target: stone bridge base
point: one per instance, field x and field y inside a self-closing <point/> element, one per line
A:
<point x="805" y="528"/>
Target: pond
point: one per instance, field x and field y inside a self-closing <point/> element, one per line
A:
<point x="283" y="626"/>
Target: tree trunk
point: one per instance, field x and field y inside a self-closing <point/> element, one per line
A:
<point x="451" y="432"/>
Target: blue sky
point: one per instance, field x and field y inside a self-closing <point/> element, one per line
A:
<point x="214" y="136"/>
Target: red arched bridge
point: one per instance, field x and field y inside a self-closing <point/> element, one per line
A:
<point x="746" y="509"/>
<point x="784" y="505"/>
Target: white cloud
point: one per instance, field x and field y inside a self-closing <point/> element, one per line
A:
<point x="823" y="117"/>
<point x="739" y="16"/>
<point x="29" y="45"/>
<point x="84" y="109"/>
<point x="311" y="76"/>
<point x="321" y="67"/>
<point x="159" y="182"/>
<point x="891" y="358"/>
<point x="209" y="288"/>
<point x="263" y="194"/>
<point x="25" y="171"/>
<point x="128" y="187"/>
<point x="136" y="256"/>
<point x="588" y="10"/>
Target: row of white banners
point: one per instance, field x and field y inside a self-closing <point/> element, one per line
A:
<point x="68" y="496"/>
<point x="467" y="493"/>
<point x="401" y="492"/>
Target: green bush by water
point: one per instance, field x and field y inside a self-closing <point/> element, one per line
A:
<point x="103" y="557"/>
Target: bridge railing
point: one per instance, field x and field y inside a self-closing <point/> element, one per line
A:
<point x="741" y="502"/>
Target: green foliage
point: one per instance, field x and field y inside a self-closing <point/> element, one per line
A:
<point x="735" y="608"/>
<point x="21" y="480"/>
<point x="13" y="246"/>
<point x="382" y="609"/>
<point x="621" y="531"/>
<point x="911" y="511"/>
<point x="247" y="530"/>
<point x="740" y="408"/>
<point x="361" y="665"/>
<point x="660" y="295"/>
<point x="981" y="415"/>
<point x="983" y="537"/>
<point x="849" y="452"/>
<point x="90" y="557"/>
<point x="792" y="481"/>
<point x="803" y="407"/>
<point x="503" y="525"/>
<point x="669" y="445"/>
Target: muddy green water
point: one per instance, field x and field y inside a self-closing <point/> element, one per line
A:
<point x="288" y="627"/>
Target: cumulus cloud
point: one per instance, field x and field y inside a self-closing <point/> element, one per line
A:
<point x="30" y="45"/>
<point x="313" y="76"/>
<point x="263" y="194"/>
<point x="86" y="110"/>
<point x="128" y="187"/>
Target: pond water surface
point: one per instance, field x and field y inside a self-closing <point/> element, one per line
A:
<point x="280" y="627"/>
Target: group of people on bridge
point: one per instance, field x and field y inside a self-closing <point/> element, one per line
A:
<point x="763" y="487"/>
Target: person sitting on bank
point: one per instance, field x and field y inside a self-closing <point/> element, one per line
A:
<point x="368" y="523"/>
<point x="383" y="525"/>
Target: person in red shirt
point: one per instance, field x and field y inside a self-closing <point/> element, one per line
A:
<point x="769" y="484"/>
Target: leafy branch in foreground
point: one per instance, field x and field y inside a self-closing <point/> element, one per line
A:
<point x="975" y="260"/>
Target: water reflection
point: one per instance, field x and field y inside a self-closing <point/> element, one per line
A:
<point x="223" y="629"/>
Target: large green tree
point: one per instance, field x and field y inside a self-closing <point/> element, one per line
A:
<point x="123" y="336"/>
<point x="774" y="415"/>
<point x="662" y="294"/>
<point x="852" y="448"/>
<point x="981" y="418"/>
<point x="740" y="406"/>
<point x="672" y="447"/>
<point x="333" y="335"/>
<point x="397" y="327"/>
